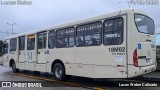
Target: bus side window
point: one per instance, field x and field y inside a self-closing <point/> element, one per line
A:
<point x="13" y="44"/>
<point x="42" y="40"/>
<point x="31" y="42"/>
<point x="80" y="41"/>
<point x="89" y="35"/>
<point x="65" y="38"/>
<point x="5" y="48"/>
<point x="113" y="31"/>
<point x="22" y="43"/>
<point x="51" y="39"/>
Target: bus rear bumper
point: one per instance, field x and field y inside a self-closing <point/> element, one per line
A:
<point x="137" y="71"/>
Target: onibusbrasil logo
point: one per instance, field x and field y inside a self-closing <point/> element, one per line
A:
<point x="21" y="84"/>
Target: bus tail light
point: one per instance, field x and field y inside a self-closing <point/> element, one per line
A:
<point x="135" y="59"/>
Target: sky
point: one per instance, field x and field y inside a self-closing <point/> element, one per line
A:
<point x="44" y="13"/>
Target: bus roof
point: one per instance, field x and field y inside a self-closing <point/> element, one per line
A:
<point x="98" y="17"/>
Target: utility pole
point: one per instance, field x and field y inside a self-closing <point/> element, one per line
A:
<point x="12" y="26"/>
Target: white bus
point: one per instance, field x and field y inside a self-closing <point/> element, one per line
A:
<point x="120" y="44"/>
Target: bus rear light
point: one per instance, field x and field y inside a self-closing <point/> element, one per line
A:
<point x="135" y="59"/>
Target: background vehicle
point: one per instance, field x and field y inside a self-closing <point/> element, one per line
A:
<point x="158" y="51"/>
<point x="158" y="57"/>
<point x="1" y="47"/>
<point x="120" y="44"/>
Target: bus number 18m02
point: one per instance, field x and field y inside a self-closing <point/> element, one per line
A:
<point x="117" y="49"/>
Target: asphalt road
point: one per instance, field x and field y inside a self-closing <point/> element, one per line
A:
<point x="75" y="83"/>
<point x="7" y="75"/>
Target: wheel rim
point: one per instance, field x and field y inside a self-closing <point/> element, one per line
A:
<point x="58" y="72"/>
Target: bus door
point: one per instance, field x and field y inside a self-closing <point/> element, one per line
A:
<point x="13" y="50"/>
<point x="21" y="55"/>
<point x="51" y="50"/>
<point x="5" y="54"/>
<point x="41" y="51"/>
<point x="30" y="53"/>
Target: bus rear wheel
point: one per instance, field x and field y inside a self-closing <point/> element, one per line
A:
<point x="14" y="69"/>
<point x="58" y="72"/>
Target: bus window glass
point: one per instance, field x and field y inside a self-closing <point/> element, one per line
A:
<point x="89" y="35"/>
<point x="113" y="31"/>
<point x="65" y="38"/>
<point x="13" y="44"/>
<point x="31" y="42"/>
<point x="22" y="43"/>
<point x="144" y="24"/>
<point x="108" y="25"/>
<point x="51" y="39"/>
<point x="42" y="40"/>
<point x="5" y="48"/>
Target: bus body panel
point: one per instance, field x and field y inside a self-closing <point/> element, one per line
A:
<point x="30" y="61"/>
<point x="109" y="72"/>
<point x="104" y="59"/>
<point x="146" y="54"/>
<point x="67" y="56"/>
<point x="137" y="71"/>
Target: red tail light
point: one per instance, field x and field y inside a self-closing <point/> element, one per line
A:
<point x="135" y="59"/>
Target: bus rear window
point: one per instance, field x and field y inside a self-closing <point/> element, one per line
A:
<point x="144" y="24"/>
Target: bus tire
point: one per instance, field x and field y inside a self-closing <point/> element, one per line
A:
<point x="58" y="72"/>
<point x="36" y="72"/>
<point x="14" y="69"/>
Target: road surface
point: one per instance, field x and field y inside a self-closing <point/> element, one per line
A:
<point x="75" y="83"/>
